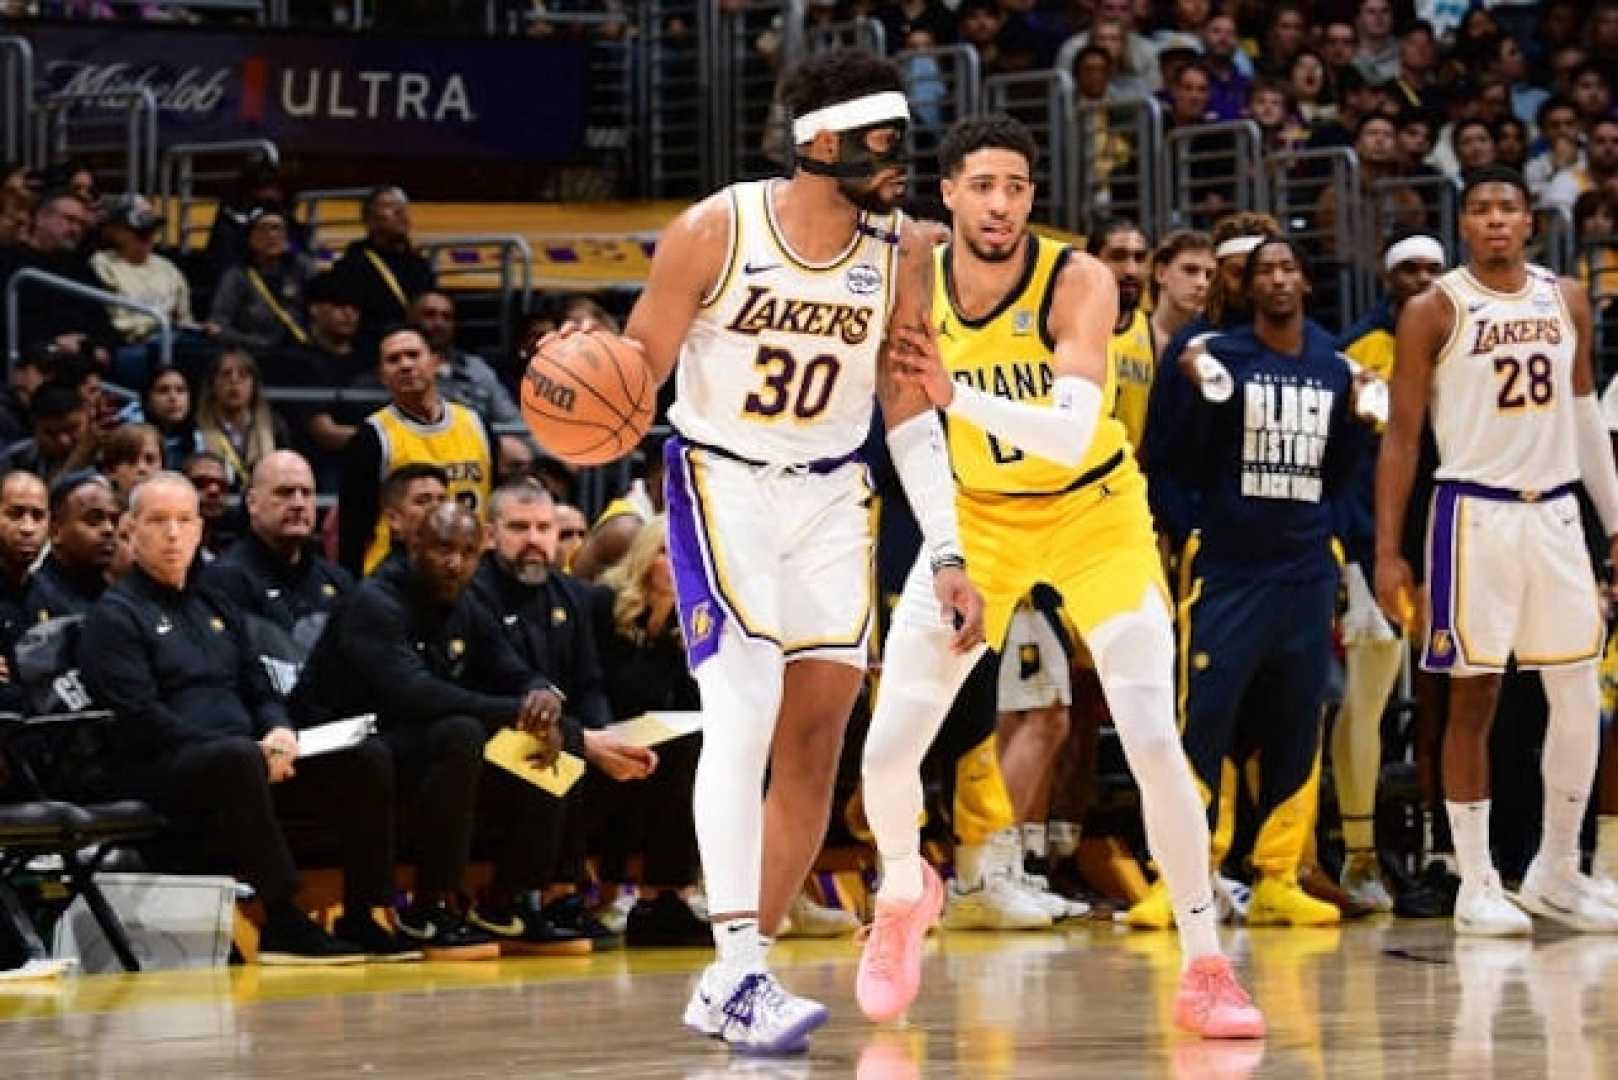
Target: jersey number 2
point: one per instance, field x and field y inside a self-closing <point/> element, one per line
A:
<point x="807" y="390"/>
<point x="1513" y="394"/>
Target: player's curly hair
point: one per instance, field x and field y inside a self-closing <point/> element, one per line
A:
<point x="830" y="78"/>
<point x="1241" y="223"/>
<point x="991" y="131"/>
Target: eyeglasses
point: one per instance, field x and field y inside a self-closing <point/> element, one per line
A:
<point x="570" y="534"/>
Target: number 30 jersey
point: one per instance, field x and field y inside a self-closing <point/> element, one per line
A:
<point x="780" y="364"/>
<point x="1502" y="389"/>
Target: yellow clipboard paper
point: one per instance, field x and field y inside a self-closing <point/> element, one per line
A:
<point x="510" y="749"/>
<point x="656" y="728"/>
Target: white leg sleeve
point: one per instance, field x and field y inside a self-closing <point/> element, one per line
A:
<point x="1568" y="765"/>
<point x="1134" y="655"/>
<point x="741" y="699"/>
<point x="920" y="678"/>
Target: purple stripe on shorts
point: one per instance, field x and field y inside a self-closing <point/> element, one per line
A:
<point x="1439" y="651"/>
<point x="702" y="615"/>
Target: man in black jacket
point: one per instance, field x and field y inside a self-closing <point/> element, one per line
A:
<point x="384" y="270"/>
<point x="431" y="661"/>
<point x="24" y="523"/>
<point x="274" y="571"/>
<point x="84" y="525"/>
<point x="546" y="619"/>
<point x="201" y="735"/>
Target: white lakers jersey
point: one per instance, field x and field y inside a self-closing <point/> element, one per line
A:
<point x="780" y="363"/>
<point x="1502" y="391"/>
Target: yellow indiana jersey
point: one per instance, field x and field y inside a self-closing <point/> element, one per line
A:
<point x="1133" y="361"/>
<point x="1010" y="353"/>
<point x="457" y="442"/>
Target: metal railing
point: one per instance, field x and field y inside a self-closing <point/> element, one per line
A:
<point x="16" y="98"/>
<point x="115" y="133"/>
<point x="1440" y="197"/>
<point x="1315" y="195"/>
<point x="57" y="283"/>
<point x="1043" y="100"/>
<point x="1118" y="160"/>
<point x="178" y="177"/>
<point x="944" y="85"/>
<point x="862" y="33"/>
<point x="1211" y="170"/>
<point x="256" y="8"/>
<point x="679" y="118"/>
<point x="314" y="209"/>
<point x="754" y="136"/>
<point x="513" y="295"/>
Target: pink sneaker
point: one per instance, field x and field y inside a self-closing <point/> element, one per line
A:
<point x="1211" y="1003"/>
<point x="890" y="965"/>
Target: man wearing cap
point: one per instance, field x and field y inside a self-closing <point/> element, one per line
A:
<point x="330" y="358"/>
<point x="133" y="270"/>
<point x="55" y="236"/>
<point x="259" y="303"/>
<point x="1411" y="260"/>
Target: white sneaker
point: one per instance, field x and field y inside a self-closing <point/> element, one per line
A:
<point x="1482" y="910"/>
<point x="811" y="920"/>
<point x="1231" y="897"/>
<point x="752" y="1012"/>
<point x="1568" y="897"/>
<point x="1054" y="904"/>
<point x="615" y="916"/>
<point x="1605" y="889"/>
<point x="998" y="904"/>
<point x="1362" y="881"/>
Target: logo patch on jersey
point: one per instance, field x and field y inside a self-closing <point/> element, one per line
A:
<point x="1441" y="645"/>
<point x="1028" y="661"/>
<point x="1022" y="323"/>
<point x="217" y="625"/>
<point x="701" y="622"/>
<point x="762" y="268"/>
<point x="1200" y="661"/>
<point x="864" y="279"/>
<point x="456" y="647"/>
<point x="328" y="590"/>
<point x="558" y="616"/>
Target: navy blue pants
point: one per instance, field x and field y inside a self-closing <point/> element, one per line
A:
<point x="1254" y="658"/>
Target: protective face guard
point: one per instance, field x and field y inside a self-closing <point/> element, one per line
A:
<point x="854" y="121"/>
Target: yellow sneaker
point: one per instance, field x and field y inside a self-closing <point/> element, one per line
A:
<point x="1156" y="912"/>
<point x="1281" y="901"/>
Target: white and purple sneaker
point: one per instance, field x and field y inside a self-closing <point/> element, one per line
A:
<point x="752" y="1012"/>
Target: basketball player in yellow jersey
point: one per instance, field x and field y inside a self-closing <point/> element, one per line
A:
<point x="1124" y="249"/>
<point x="1047" y="490"/>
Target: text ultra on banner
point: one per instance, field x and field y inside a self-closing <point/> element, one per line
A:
<point x="518" y="99"/>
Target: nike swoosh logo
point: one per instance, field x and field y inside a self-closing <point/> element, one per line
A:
<point x="749" y="268"/>
<point x="1473" y="309"/>
<point x="426" y="934"/>
<point x="511" y="928"/>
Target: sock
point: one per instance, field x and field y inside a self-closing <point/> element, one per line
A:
<point x="1605" y="863"/>
<point x="1064" y="839"/>
<point x="1035" y="840"/>
<point x="901" y="880"/>
<point x="1469" y="826"/>
<point x="971" y="863"/>
<point x="1559" y="840"/>
<point x="741" y="947"/>
<point x="1359" y="835"/>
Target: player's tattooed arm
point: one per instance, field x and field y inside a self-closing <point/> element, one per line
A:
<point x="912" y="311"/>
<point x="691" y="255"/>
<point x="1424" y="325"/>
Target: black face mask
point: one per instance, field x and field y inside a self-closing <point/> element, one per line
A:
<point x="856" y="161"/>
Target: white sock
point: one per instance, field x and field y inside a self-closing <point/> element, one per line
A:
<point x="1605" y="863"/>
<point x="971" y="865"/>
<point x="1134" y="656"/>
<point x="920" y="678"/>
<point x="1469" y="827"/>
<point x="1035" y="842"/>
<point x="1568" y="764"/>
<point x="740" y="945"/>
<point x="1064" y="839"/>
<point x="901" y="880"/>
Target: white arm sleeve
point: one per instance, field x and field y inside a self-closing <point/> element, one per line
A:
<point x="922" y="462"/>
<point x="1596" y="466"/>
<point x="1061" y="433"/>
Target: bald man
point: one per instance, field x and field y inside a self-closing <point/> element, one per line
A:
<point x="202" y="735"/>
<point x="275" y="571"/>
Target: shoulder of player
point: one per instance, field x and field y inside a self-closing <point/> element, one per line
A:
<point x="1079" y="277"/>
<point x="1431" y="311"/>
<point x="702" y="223"/>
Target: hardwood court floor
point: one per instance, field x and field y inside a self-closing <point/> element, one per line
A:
<point x="1388" y="1000"/>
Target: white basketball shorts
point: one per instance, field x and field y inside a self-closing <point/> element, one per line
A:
<point x="1034" y="668"/>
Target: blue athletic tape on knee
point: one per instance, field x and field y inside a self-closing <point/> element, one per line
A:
<point x="921" y="459"/>
<point x="1061" y="432"/>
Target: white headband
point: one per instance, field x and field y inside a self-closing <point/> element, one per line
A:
<point x="1424" y="248"/>
<point x="1237" y="245"/>
<point x="848" y="115"/>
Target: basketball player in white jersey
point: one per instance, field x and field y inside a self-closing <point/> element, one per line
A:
<point x="774" y="298"/>
<point x="1499" y="353"/>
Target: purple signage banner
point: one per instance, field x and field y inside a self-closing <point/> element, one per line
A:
<point x="348" y="95"/>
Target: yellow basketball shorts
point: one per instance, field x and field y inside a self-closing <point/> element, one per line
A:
<point x="1094" y="546"/>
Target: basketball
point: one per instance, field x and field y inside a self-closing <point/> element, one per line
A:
<point x="588" y="397"/>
